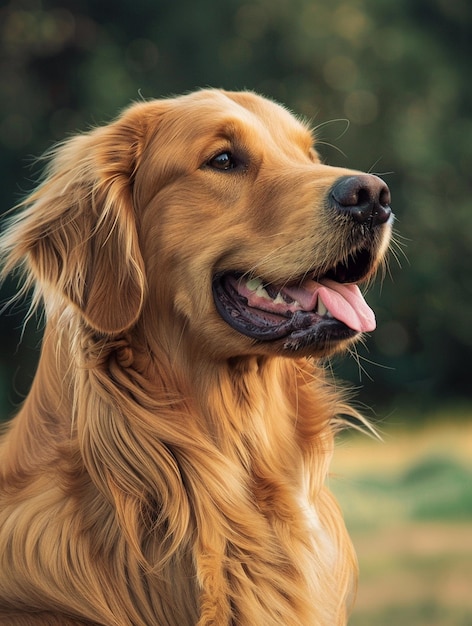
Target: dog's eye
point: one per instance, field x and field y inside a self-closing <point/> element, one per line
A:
<point x="224" y="161"/>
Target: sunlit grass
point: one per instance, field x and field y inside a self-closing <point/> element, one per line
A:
<point x="408" y="506"/>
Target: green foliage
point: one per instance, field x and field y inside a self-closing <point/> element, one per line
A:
<point x="435" y="488"/>
<point x="438" y="488"/>
<point x="396" y="70"/>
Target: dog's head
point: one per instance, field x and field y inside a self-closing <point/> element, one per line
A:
<point x="211" y="214"/>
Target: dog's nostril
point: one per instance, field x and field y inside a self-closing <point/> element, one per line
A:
<point x="365" y="198"/>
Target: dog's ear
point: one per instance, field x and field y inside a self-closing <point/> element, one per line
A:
<point x="77" y="233"/>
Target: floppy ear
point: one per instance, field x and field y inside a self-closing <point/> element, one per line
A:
<point x="77" y="236"/>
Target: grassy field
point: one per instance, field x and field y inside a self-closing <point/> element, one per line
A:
<point x="408" y="506"/>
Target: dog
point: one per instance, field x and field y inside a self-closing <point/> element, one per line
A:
<point x="196" y="263"/>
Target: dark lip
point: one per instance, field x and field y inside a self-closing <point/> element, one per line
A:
<point x="323" y="334"/>
<point x="298" y="330"/>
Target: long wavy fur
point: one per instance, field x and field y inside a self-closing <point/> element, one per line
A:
<point x="163" y="470"/>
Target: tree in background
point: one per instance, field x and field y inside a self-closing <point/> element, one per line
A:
<point x="397" y="71"/>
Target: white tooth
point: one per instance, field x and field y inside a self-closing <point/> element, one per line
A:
<point x="279" y="299"/>
<point x="262" y="293"/>
<point x="254" y="283"/>
<point x="320" y="307"/>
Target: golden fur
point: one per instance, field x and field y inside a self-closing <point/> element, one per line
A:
<point x="166" y="470"/>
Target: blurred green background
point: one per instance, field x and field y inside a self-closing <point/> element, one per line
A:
<point x="388" y="82"/>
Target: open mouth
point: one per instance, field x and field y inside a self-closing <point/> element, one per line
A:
<point x="316" y="309"/>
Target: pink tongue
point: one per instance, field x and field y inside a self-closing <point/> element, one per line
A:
<point x="344" y="302"/>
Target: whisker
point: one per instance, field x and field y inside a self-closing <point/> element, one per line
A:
<point x="397" y="249"/>
<point x="331" y="145"/>
<point x="370" y="170"/>
<point x="354" y="353"/>
<point x="381" y="174"/>
<point x="371" y="362"/>
<point x="334" y="121"/>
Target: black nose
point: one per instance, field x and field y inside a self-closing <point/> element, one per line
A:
<point x="365" y="198"/>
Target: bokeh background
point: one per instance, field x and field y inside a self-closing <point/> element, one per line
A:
<point x="388" y="84"/>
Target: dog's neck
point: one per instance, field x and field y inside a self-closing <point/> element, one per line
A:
<point x="245" y="442"/>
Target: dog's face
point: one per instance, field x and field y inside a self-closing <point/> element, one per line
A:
<point x="208" y="216"/>
<point x="254" y="244"/>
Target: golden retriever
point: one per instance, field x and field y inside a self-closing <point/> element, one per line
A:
<point x="196" y="262"/>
